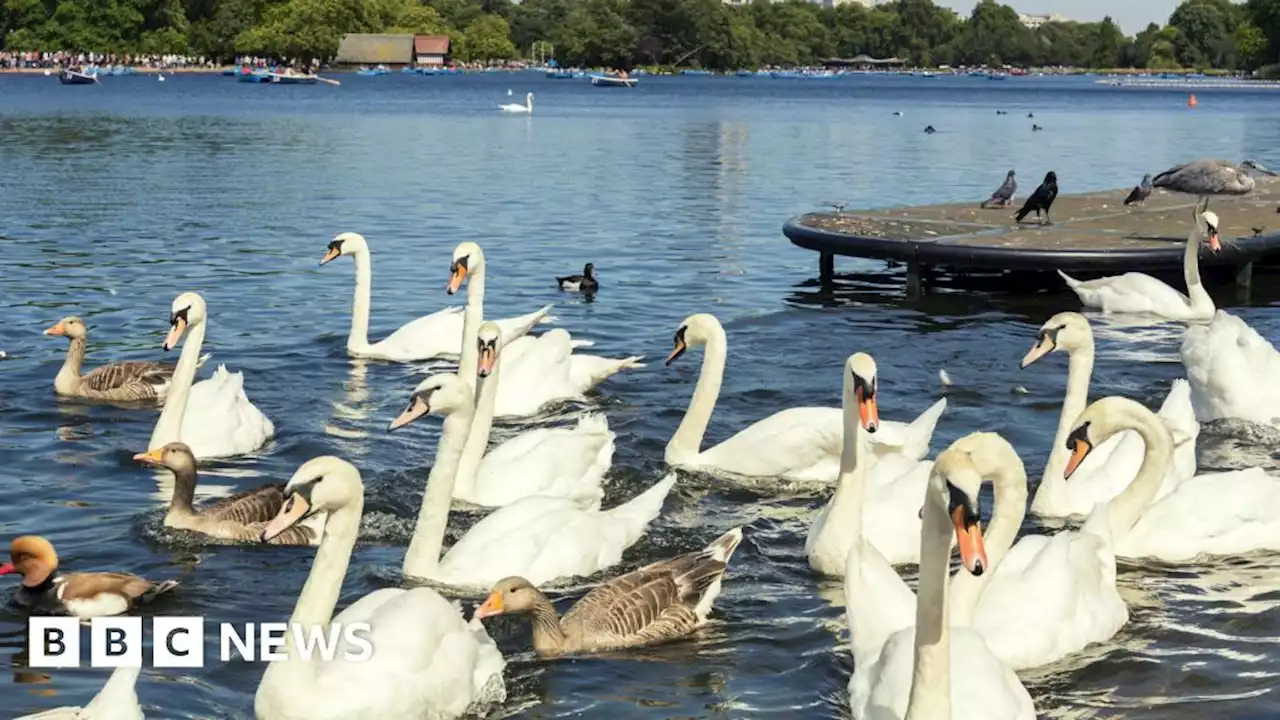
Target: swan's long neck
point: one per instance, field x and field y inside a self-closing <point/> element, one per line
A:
<point x="687" y="440"/>
<point x="68" y="377"/>
<point x="169" y="426"/>
<point x="931" y="675"/>
<point x="1010" y="476"/>
<point x="481" y="426"/>
<point x="423" y="555"/>
<point x="1196" y="293"/>
<point x="319" y="595"/>
<point x="1079" y="370"/>
<point x="472" y="319"/>
<point x="847" y="503"/>
<point x="1128" y="506"/>
<point x="358" y="338"/>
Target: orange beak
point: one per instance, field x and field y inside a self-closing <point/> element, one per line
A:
<point x="458" y="277"/>
<point x="417" y="408"/>
<point x="868" y="412"/>
<point x="293" y="510"/>
<point x="330" y="255"/>
<point x="973" y="553"/>
<point x="676" y="352"/>
<point x="151" y="457"/>
<point x="492" y="606"/>
<point x="1037" y="351"/>
<point x="175" y="334"/>
<point x="1079" y="452"/>
<point x="487" y="358"/>
<point x="56" y="330"/>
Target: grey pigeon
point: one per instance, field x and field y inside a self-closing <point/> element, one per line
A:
<point x="1139" y="194"/>
<point x="1004" y="195"/>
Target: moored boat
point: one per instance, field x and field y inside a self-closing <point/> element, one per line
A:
<point x="76" y="77"/>
<point x="613" y="81"/>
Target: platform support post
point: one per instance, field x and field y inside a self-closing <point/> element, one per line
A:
<point x="913" y="278"/>
<point x="1244" y="279"/>
<point x="826" y="266"/>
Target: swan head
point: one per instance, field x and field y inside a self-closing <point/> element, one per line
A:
<point x="440" y="394"/>
<point x="695" y="331"/>
<point x="860" y="383"/>
<point x="1210" y="220"/>
<point x="322" y="484"/>
<point x="489" y="339"/>
<point x="1104" y="418"/>
<point x="991" y="454"/>
<point x="954" y="485"/>
<point x="188" y="310"/>
<point x="510" y="596"/>
<point x="175" y="456"/>
<point x="1068" y="331"/>
<point x="348" y="243"/>
<point x="71" y="327"/>
<point x="32" y="557"/>
<point x="467" y="259"/>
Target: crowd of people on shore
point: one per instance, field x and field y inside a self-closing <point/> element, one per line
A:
<point x="36" y="60"/>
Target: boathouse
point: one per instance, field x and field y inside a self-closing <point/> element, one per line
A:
<point x="431" y="50"/>
<point x="375" y="49"/>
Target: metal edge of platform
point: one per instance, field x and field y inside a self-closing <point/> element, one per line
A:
<point x="934" y="253"/>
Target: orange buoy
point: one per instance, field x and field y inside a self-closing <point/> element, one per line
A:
<point x="1191" y="101"/>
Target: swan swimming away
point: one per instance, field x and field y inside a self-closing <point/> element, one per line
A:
<point x="515" y="108"/>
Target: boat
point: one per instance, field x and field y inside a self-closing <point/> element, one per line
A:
<point x="256" y="76"/>
<point x="560" y="74"/>
<point x="292" y="79"/>
<point x="613" y="81"/>
<point x="76" y="77"/>
<point x="379" y="70"/>
<point x="698" y="73"/>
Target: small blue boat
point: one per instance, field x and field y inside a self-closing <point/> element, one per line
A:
<point x="698" y="73"/>
<point x="76" y="77"/>
<point x="560" y="75"/>
<point x="257" y="76"/>
<point x="379" y="70"/>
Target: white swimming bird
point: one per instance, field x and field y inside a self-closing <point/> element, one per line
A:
<point x="117" y="700"/>
<point x="1115" y="463"/>
<point x="1234" y="371"/>
<point x="527" y="107"/>
<point x="213" y="417"/>
<point x="799" y="444"/>
<point x="1136" y="292"/>
<point x="430" y="336"/>
<point x="425" y="661"/>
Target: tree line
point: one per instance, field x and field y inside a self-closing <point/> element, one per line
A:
<point x="1200" y="34"/>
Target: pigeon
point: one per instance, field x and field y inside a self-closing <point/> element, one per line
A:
<point x="1139" y="194"/>
<point x="1004" y="194"/>
<point x="1041" y="199"/>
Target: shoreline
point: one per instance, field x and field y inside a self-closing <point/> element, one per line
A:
<point x="141" y="70"/>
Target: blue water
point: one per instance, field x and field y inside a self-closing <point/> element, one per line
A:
<point x="115" y="198"/>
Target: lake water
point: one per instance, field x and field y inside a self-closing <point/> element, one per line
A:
<point x="118" y="197"/>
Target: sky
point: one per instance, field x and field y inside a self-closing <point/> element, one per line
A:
<point x="1131" y="15"/>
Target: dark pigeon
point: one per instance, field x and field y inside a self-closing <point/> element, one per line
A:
<point x="1139" y="194"/>
<point x="1004" y="195"/>
<point x="1041" y="200"/>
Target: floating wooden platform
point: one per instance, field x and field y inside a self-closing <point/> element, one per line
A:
<point x="1092" y="233"/>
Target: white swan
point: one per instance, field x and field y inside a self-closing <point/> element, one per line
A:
<point x="537" y="371"/>
<point x="1045" y="597"/>
<point x="1234" y="372"/>
<point x="1115" y="463"/>
<point x="799" y="444"/>
<point x="213" y="417"/>
<point x="1224" y="513"/>
<point x="538" y="538"/>
<point x="117" y="700"/>
<point x="426" y="661"/>
<point x="517" y="108"/>
<point x="926" y="669"/>
<point x="894" y="494"/>
<point x="430" y="336"/>
<point x="1137" y="292"/>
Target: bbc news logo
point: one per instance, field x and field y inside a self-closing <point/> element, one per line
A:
<point x="179" y="642"/>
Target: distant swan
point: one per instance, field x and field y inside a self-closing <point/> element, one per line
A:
<point x="516" y="108"/>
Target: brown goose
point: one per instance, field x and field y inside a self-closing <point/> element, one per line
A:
<point x="91" y="594"/>
<point x="237" y="518"/>
<point x="126" y="381"/>
<point x="659" y="602"/>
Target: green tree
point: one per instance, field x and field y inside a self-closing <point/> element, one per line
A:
<point x="488" y="37"/>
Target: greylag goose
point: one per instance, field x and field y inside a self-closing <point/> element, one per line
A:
<point x="238" y="518"/>
<point x="586" y="282"/>
<point x="663" y="601"/>
<point x="89" y="594"/>
<point x="125" y="381"/>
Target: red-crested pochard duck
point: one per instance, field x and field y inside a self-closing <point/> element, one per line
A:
<point x="90" y="594"/>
